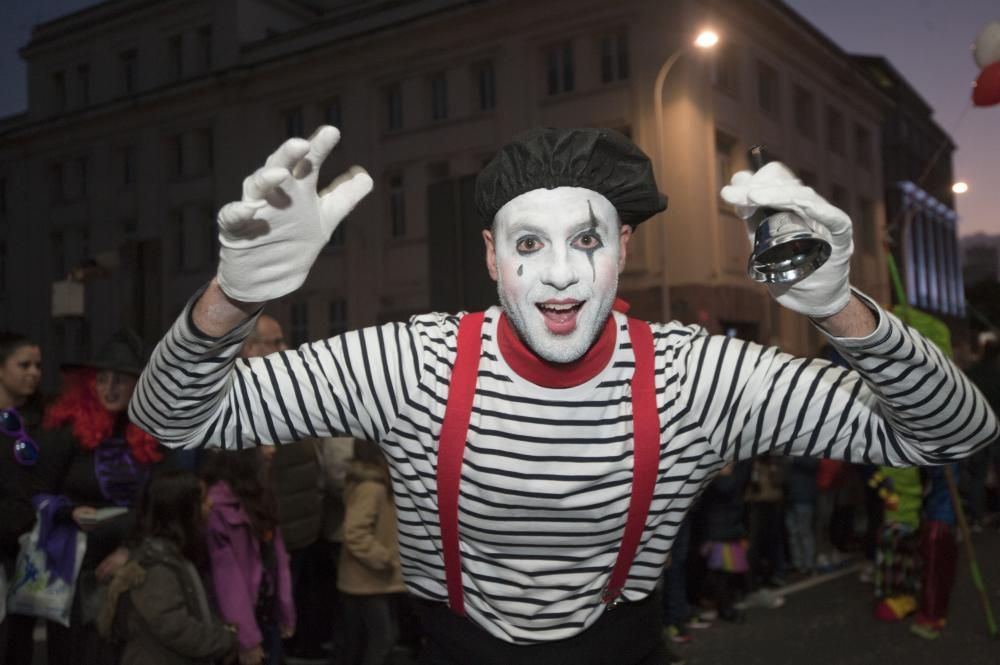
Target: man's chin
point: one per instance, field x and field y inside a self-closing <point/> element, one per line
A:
<point x="558" y="348"/>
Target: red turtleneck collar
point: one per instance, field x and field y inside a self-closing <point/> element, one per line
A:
<point x="548" y="374"/>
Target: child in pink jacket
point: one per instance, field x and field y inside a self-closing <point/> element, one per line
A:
<point x="249" y="563"/>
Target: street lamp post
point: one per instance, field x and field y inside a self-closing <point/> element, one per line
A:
<point x="706" y="39"/>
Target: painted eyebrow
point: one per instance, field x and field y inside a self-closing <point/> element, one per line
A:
<point x="526" y="227"/>
<point x="586" y="226"/>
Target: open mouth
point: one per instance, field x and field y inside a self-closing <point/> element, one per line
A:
<point x="560" y="315"/>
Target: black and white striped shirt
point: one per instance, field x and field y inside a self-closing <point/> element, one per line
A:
<point x="547" y="472"/>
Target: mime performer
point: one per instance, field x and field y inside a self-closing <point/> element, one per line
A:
<point x="544" y="452"/>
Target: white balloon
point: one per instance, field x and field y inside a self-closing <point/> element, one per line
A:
<point x="986" y="49"/>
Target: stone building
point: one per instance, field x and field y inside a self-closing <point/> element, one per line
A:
<point x="920" y="207"/>
<point x="144" y="117"/>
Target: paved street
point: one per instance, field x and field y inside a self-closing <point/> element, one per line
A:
<point x="831" y="624"/>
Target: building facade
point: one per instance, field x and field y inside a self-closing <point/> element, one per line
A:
<point x="920" y="207"/>
<point x="981" y="258"/>
<point x="145" y="117"/>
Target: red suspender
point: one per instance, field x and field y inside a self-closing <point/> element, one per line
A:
<point x="451" y="449"/>
<point x="455" y="429"/>
<point x="645" y="455"/>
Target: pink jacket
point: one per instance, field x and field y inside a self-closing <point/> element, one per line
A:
<point x="234" y="552"/>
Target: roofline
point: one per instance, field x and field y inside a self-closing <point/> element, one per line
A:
<point x="822" y="39"/>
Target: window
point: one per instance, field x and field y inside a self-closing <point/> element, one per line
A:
<point x="862" y="146"/>
<point x="338" y="237"/>
<point x="127" y="60"/>
<point x="180" y="239"/>
<point x="560" y="68"/>
<point x="204" y="157"/>
<point x="768" y="95"/>
<point x="614" y="57"/>
<point x="727" y="70"/>
<point x="869" y="231"/>
<point x="175" y="48"/>
<point x="82" y="176"/>
<point x="299" y="328"/>
<point x="805" y="112"/>
<point x="834" y="131"/>
<point x="485" y="83"/>
<point x="83" y="83"/>
<point x="293" y="123"/>
<point x="439" y="97"/>
<point x="59" y="91"/>
<point x="205" y="47"/>
<point x="128" y="165"/>
<point x="57" y="245"/>
<point x="336" y="317"/>
<point x="58" y="182"/>
<point x="724" y="170"/>
<point x="194" y="239"/>
<point x="332" y="113"/>
<point x="210" y="236"/>
<point x="838" y="197"/>
<point x="394" y="107"/>
<point x="397" y="206"/>
<point x="175" y="155"/>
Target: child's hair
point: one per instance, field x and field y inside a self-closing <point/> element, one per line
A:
<point x="170" y="507"/>
<point x="368" y="452"/>
<point x="11" y="342"/>
<point x="243" y="472"/>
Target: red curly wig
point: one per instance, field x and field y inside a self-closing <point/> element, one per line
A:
<point x="79" y="407"/>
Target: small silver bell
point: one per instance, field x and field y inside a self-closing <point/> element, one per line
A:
<point x="786" y="247"/>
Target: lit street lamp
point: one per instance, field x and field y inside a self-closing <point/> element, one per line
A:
<point x="960" y="187"/>
<point x="706" y="39"/>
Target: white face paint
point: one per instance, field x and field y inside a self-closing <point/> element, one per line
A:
<point x="556" y="255"/>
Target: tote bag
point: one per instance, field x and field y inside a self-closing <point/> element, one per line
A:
<point x="34" y="590"/>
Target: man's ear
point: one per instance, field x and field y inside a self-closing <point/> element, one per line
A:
<point x="624" y="235"/>
<point x="491" y="254"/>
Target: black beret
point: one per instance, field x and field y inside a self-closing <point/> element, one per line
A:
<point x="601" y="160"/>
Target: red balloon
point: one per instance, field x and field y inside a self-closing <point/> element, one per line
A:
<point x="986" y="89"/>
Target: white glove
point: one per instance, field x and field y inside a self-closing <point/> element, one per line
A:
<point x="270" y="239"/>
<point x="826" y="291"/>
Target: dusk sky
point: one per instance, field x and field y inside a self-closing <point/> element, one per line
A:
<point x="928" y="41"/>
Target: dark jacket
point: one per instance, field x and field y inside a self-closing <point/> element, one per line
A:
<point x="158" y="608"/>
<point x="723" y="505"/>
<point x="800" y="481"/>
<point x="296" y="473"/>
<point x="68" y="469"/>
<point x="17" y="485"/>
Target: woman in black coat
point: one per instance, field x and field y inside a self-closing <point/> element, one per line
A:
<point x="102" y="461"/>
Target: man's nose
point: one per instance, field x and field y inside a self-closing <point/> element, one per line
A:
<point x="560" y="273"/>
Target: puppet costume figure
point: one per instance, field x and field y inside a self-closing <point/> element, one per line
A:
<point x="543" y="453"/>
<point x="897" y="562"/>
<point x="938" y="555"/>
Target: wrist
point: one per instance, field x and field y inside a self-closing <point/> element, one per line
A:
<point x="855" y="319"/>
<point x="215" y="313"/>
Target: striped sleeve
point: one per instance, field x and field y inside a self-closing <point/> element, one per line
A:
<point x="901" y="402"/>
<point x="196" y="391"/>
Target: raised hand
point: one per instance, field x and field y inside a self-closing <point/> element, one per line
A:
<point x="271" y="237"/>
<point x="827" y="290"/>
